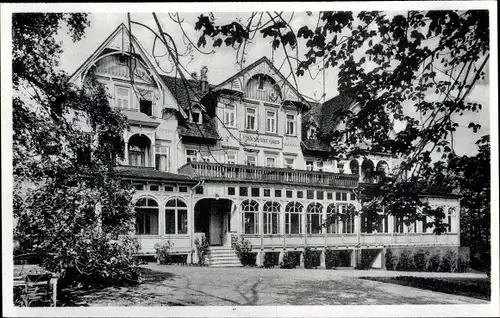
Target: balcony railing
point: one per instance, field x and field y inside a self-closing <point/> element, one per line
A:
<point x="215" y="171"/>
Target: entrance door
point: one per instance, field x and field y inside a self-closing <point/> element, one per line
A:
<point x="216" y="227"/>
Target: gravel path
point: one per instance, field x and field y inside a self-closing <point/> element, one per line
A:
<point x="185" y="285"/>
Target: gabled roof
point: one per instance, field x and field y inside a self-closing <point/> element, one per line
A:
<point x="119" y="40"/>
<point x="205" y="131"/>
<point x="185" y="93"/>
<point x="263" y="59"/>
<point x="326" y="115"/>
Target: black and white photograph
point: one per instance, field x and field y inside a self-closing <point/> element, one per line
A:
<point x="250" y="159"/>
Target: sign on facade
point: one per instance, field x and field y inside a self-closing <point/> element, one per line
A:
<point x="261" y="140"/>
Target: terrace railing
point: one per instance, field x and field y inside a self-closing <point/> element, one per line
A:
<point x="215" y="171"/>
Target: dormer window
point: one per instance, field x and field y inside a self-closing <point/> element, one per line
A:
<point x="311" y="134"/>
<point x="146" y="103"/>
<point x="196" y="116"/>
<point x="146" y="107"/>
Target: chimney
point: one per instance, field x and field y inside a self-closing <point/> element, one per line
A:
<point x="203" y="79"/>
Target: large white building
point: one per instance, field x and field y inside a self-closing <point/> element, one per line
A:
<point x="240" y="158"/>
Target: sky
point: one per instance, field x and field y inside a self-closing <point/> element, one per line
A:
<point x="222" y="64"/>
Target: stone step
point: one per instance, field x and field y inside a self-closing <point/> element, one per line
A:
<point x="225" y="257"/>
<point x="222" y="254"/>
<point x="226" y="265"/>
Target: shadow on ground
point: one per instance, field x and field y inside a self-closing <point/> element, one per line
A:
<point x="130" y="295"/>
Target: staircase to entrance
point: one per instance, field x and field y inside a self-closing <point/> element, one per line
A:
<point x="222" y="256"/>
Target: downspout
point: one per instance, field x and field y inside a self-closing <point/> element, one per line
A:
<point x="191" y="232"/>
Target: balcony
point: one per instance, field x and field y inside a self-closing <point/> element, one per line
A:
<point x="215" y="171"/>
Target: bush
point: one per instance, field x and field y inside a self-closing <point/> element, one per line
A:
<point x="405" y="261"/>
<point x="243" y="247"/>
<point x="390" y="260"/>
<point x="202" y="249"/>
<point x="332" y="259"/>
<point x="92" y="270"/>
<point x="289" y="260"/>
<point x="420" y="259"/>
<point x="433" y="261"/>
<point x="311" y="258"/>
<point x="162" y="252"/>
<point x="271" y="259"/>
<point x="448" y="261"/>
<point x="366" y="258"/>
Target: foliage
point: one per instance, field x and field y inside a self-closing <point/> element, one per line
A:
<point x="405" y="261"/>
<point x="472" y="176"/>
<point x="332" y="259"/>
<point x="390" y="260"/>
<point x="311" y="258"/>
<point x="448" y="261"/>
<point x="420" y="259"/>
<point x="289" y="260"/>
<point x="243" y="249"/>
<point x="162" y="251"/>
<point x="68" y="201"/>
<point x="478" y="288"/>
<point x="271" y="259"/>
<point x="366" y="258"/>
<point x="202" y="249"/>
<point x="433" y="261"/>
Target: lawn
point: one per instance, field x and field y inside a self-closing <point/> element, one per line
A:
<point x="472" y="287"/>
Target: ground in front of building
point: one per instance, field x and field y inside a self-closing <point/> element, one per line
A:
<point x="199" y="286"/>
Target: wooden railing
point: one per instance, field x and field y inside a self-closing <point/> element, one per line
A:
<point x="215" y="171"/>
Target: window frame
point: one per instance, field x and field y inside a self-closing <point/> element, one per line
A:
<point x="129" y="98"/>
<point x="291" y="122"/>
<point x="272" y="129"/>
<point x="271" y="213"/>
<point x="289" y="166"/>
<point x="247" y="161"/>
<point x="293" y="208"/>
<point x="228" y="112"/>
<point x="250" y="206"/>
<point x="315" y="209"/>
<point x="254" y="116"/>
<point x="179" y="229"/>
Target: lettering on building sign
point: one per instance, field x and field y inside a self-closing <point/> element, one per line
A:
<point x="261" y="141"/>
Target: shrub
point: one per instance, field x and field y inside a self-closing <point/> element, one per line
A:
<point x="271" y="259"/>
<point x="202" y="249"/>
<point x="162" y="252"/>
<point x="432" y="263"/>
<point x="390" y="260"/>
<point x="448" y="261"/>
<point x="366" y="258"/>
<point x="311" y="258"/>
<point x="405" y="262"/>
<point x="420" y="259"/>
<point x="92" y="270"/>
<point x="243" y="247"/>
<point x="289" y="260"/>
<point x="332" y="259"/>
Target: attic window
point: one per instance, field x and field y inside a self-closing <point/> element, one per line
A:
<point x="261" y="82"/>
<point x="146" y="107"/>
<point x="311" y="134"/>
<point x="196" y="117"/>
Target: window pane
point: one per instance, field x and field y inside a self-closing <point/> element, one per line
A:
<point x="295" y="223"/>
<point x="182" y="221"/>
<point x="169" y="221"/>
